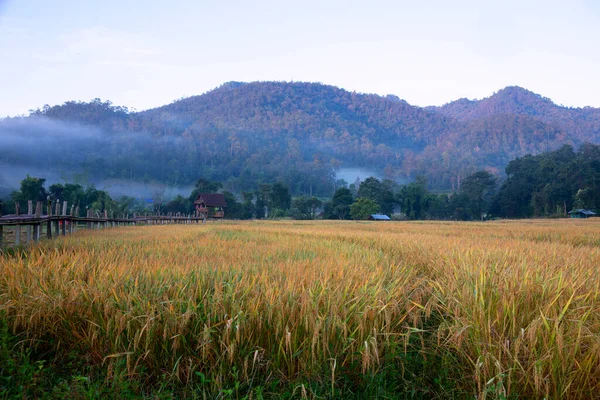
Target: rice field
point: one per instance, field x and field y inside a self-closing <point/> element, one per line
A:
<point x="292" y="309"/>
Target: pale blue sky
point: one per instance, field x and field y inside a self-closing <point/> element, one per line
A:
<point x="143" y="54"/>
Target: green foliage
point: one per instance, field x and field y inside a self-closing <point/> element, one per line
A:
<point x="31" y="189"/>
<point x="339" y="208"/>
<point x="204" y="186"/>
<point x="477" y="190"/>
<point x="280" y="197"/>
<point x="380" y="192"/>
<point x="247" y="206"/>
<point x="550" y="183"/>
<point x="304" y="207"/>
<point x="179" y="205"/>
<point x="234" y="209"/>
<point x="362" y="208"/>
<point x="73" y="193"/>
<point x="414" y="199"/>
<point x="271" y="198"/>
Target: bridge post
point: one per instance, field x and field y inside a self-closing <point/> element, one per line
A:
<point x="36" y="232"/>
<point x="29" y="213"/>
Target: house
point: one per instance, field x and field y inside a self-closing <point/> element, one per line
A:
<point x="581" y="213"/>
<point x="379" y="217"/>
<point x="210" y="205"/>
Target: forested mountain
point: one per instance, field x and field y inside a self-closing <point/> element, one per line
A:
<point x="579" y="123"/>
<point x="244" y="134"/>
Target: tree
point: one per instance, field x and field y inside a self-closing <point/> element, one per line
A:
<point x="280" y="197"/>
<point x="414" y="199"/>
<point x="158" y="198"/>
<point x="248" y="206"/>
<point x="178" y="205"/>
<point x="370" y="188"/>
<point x="56" y="191"/>
<point x="263" y="200"/>
<point x="234" y="209"/>
<point x="204" y="186"/>
<point x="362" y="208"/>
<point x="550" y="183"/>
<point x="73" y="193"/>
<point x="340" y="204"/>
<point x="31" y="189"/>
<point x="125" y="204"/>
<point x="584" y="198"/>
<point x="380" y="192"/>
<point x="478" y="188"/>
<point x="387" y="199"/>
<point x="305" y="207"/>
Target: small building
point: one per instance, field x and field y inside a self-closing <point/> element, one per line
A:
<point x="210" y="205"/>
<point x="379" y="217"/>
<point x="581" y="213"/>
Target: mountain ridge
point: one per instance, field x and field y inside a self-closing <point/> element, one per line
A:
<point x="578" y="121"/>
<point x="301" y="133"/>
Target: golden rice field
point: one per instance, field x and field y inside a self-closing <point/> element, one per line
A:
<point x="312" y="310"/>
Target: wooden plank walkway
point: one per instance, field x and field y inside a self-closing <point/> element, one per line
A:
<point x="62" y="222"/>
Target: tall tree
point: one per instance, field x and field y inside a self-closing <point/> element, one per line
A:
<point x="362" y="208"/>
<point x="280" y="197"/>
<point x="248" y="206"/>
<point x="380" y="192"/>
<point x="478" y="189"/>
<point x="340" y="204"/>
<point x="234" y="209"/>
<point x="204" y="186"/>
<point x="31" y="189"/>
<point x="414" y="199"/>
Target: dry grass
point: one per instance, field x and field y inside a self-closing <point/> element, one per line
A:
<point x="506" y="308"/>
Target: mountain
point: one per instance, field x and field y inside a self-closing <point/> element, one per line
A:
<point x="299" y="133"/>
<point x="581" y="124"/>
<point x="302" y="110"/>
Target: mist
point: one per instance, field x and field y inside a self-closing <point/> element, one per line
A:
<point x="351" y="174"/>
<point x="62" y="152"/>
<point x="136" y="155"/>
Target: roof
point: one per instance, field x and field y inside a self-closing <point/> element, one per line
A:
<point x="380" y="217"/>
<point x="582" y="211"/>
<point x="211" y="199"/>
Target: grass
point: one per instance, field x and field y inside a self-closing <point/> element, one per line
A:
<point x="306" y="310"/>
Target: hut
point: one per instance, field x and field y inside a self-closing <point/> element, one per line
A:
<point x="379" y="217"/>
<point x="210" y="205"/>
<point x="581" y="213"/>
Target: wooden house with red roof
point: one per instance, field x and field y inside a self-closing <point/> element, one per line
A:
<point x="210" y="205"/>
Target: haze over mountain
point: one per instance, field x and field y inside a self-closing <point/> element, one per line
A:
<point x="299" y="133"/>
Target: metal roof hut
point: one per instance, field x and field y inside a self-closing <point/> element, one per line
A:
<point x="379" y="217"/>
<point x="581" y="213"/>
<point x="210" y="205"/>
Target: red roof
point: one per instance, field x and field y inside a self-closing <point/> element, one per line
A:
<point x="211" y="199"/>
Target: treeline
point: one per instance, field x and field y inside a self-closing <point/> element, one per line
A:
<point x="87" y="198"/>
<point x="551" y="183"/>
<point x="355" y="201"/>
<point x="545" y="185"/>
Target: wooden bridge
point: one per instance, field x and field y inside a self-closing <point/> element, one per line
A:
<point x="62" y="221"/>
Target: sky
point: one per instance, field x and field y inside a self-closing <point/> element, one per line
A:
<point x="143" y="54"/>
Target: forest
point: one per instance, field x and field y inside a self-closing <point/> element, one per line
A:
<point x="300" y="134"/>
<point x="545" y="185"/>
